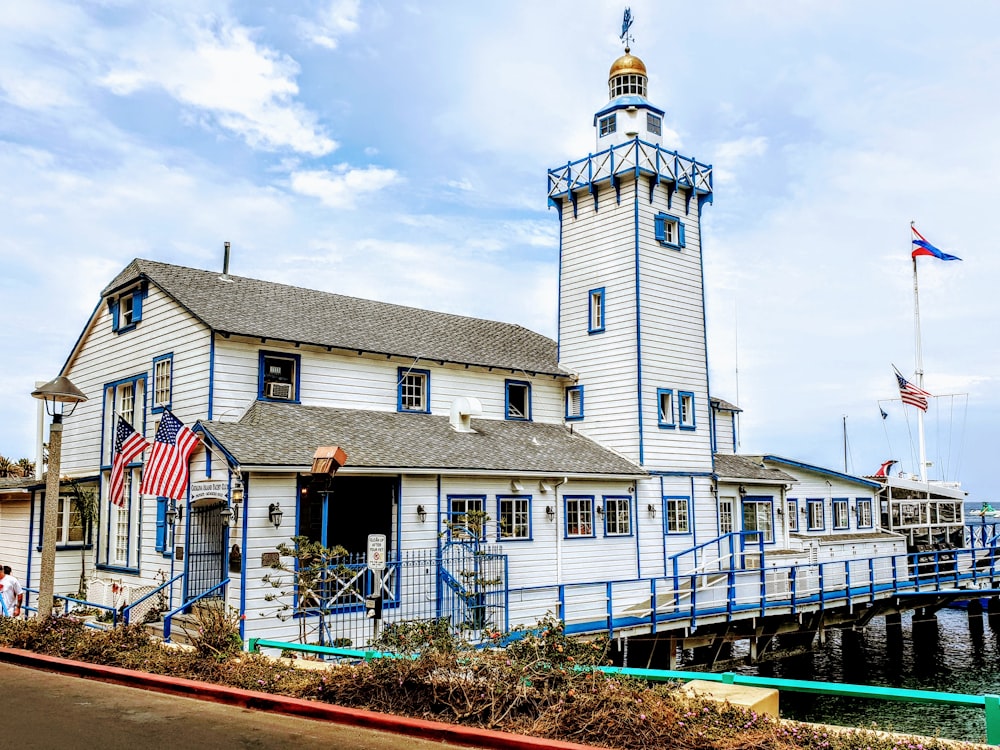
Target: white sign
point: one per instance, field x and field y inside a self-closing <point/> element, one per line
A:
<point x="376" y="552"/>
<point x="209" y="488"/>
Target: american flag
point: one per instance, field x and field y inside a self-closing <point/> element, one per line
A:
<point x="128" y="445"/>
<point x="911" y="394"/>
<point x="166" y="472"/>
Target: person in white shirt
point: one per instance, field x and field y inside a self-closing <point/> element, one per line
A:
<point x="11" y="593"/>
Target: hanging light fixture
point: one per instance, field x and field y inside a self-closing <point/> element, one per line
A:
<point x="274" y="514"/>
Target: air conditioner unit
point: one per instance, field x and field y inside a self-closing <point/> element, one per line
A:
<point x="278" y="390"/>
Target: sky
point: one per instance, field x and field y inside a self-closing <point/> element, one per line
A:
<point x="398" y="151"/>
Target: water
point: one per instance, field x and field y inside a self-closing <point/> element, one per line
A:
<point x="953" y="660"/>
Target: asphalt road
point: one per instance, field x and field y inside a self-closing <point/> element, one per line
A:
<point x="51" y="711"/>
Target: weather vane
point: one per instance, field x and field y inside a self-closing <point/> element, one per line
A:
<point x="626" y="25"/>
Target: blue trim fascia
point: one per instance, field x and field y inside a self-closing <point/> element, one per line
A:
<point x="638" y="319"/>
<point x="506" y="400"/>
<point x="624" y="102"/>
<point x="593" y="526"/>
<point x="598" y="293"/>
<point x="631" y="517"/>
<point x="531" y="524"/>
<point x="211" y="375"/>
<point x="833" y="509"/>
<point x="154" y="409"/>
<point x="821" y="470"/>
<point x="438" y="583"/>
<point x="31" y="533"/>
<point x="567" y="415"/>
<point x="243" y="555"/>
<point x="400" y="372"/>
<point x="262" y="355"/>
<point x="659" y="416"/>
<point x="666" y="528"/>
<point x="810" y="501"/>
<point x="694" y="419"/>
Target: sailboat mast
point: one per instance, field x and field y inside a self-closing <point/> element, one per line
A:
<point x="918" y="351"/>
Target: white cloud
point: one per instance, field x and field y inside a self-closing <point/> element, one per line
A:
<point x="216" y="67"/>
<point x="342" y="187"/>
<point x="337" y="19"/>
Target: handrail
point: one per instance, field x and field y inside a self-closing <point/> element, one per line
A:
<point x="167" y="618"/>
<point x="65" y="598"/>
<point x="127" y="612"/>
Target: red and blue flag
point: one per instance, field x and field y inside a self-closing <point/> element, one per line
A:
<point x="922" y="247"/>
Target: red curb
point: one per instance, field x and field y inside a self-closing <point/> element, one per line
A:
<point x="435" y="730"/>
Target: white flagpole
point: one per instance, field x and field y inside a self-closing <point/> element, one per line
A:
<point x="919" y="361"/>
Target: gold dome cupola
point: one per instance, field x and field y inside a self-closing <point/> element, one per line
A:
<point x="627" y="76"/>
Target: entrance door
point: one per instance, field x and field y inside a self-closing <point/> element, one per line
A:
<point x="206" y="549"/>
<point x="345" y="511"/>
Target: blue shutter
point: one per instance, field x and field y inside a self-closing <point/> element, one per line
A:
<point x="680" y="233"/>
<point x="114" y="316"/>
<point x="660" y="236"/>
<point x="161" y="524"/>
<point x="137" y="299"/>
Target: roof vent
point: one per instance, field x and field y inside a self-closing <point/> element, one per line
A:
<point x="463" y="409"/>
<point x="225" y="264"/>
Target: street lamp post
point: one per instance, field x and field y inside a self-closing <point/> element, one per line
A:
<point x="60" y="397"/>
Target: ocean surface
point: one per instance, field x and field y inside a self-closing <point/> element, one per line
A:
<point x="953" y="659"/>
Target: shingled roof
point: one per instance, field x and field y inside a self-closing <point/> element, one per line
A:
<point x="264" y="309"/>
<point x="275" y="434"/>
<point x="728" y="466"/>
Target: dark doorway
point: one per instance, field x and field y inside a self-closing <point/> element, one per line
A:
<point x="346" y="509"/>
<point x="206" y="549"/>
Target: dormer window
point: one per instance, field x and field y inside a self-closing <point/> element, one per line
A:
<point x="279" y="377"/>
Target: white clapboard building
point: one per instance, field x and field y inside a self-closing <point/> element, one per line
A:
<point x="602" y="461"/>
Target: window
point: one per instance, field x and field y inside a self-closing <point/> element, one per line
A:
<point x="864" y="513"/>
<point x="669" y="230"/>
<point x="665" y="408"/>
<point x="726" y="505"/>
<point x="814" y="515"/>
<point x="126" y="402"/>
<point x="279" y="377"/>
<point x="596" y="319"/>
<point x="69" y="523"/>
<point x="840" y="516"/>
<point x="757" y="517"/>
<point x="126" y="311"/>
<point x="127" y="399"/>
<point x="579" y="516"/>
<point x="163" y="369"/>
<point x="653" y="123"/>
<point x="119" y="547"/>
<point x="617" y="516"/>
<point x="459" y="520"/>
<point x="793" y="514"/>
<point x="514" y="517"/>
<point x="574" y="402"/>
<point x="624" y="85"/>
<point x="414" y="390"/>
<point x="518" y="400"/>
<point x="607" y="125"/>
<point x="685" y="403"/>
<point x="676" y="516"/>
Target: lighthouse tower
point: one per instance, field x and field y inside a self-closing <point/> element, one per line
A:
<point x="631" y="295"/>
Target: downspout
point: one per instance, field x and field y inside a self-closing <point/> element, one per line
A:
<point x="555" y="504"/>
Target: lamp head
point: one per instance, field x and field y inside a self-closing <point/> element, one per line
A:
<point x="59" y="391"/>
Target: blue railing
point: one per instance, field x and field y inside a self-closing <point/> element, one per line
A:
<point x="138" y="603"/>
<point x="168" y="618"/>
<point x="65" y="606"/>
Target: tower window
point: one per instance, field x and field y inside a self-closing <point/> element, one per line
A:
<point x="596" y="320"/>
<point x="665" y="408"/>
<point x="669" y="231"/>
<point x="685" y="402"/>
<point x="653" y="124"/>
<point x="608" y="125"/>
<point x="574" y="402"/>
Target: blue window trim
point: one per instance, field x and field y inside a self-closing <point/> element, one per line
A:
<point x="871" y="512"/>
<point x="793" y="513"/>
<point x="463" y="496"/>
<point x="694" y="422"/>
<point x="574" y="417"/>
<point x="841" y="501"/>
<point x="170" y="397"/>
<point x="531" y="531"/>
<point x="506" y="400"/>
<point x="631" y="516"/>
<point x="757" y="499"/>
<point x="810" y="502"/>
<point x="661" y="219"/>
<point x="297" y="358"/>
<point x="161" y="524"/>
<point x="140" y="428"/>
<point x="654" y="119"/>
<point x="667" y="499"/>
<point x="660" y="421"/>
<point x="593" y="525"/>
<point x="114" y="307"/>
<point x="591" y="295"/>
<point x="400" y="372"/>
<point x="607" y="125"/>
